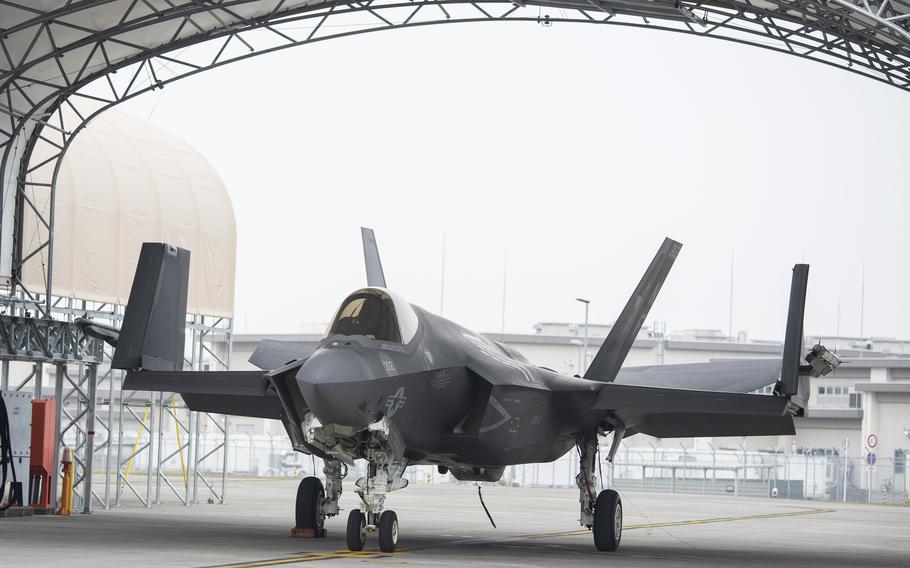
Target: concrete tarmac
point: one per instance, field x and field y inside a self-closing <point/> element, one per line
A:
<point x="444" y="525"/>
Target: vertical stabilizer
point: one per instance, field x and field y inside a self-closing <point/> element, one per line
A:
<point x="613" y="352"/>
<point x="375" y="276"/>
<point x="152" y="335"/>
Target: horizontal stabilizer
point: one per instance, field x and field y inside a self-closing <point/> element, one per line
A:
<point x="728" y="376"/>
<point x="616" y="346"/>
<point x="682" y="413"/>
<point x="239" y="393"/>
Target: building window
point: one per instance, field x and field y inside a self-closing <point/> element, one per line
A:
<point x="900" y="460"/>
<point x="830" y="396"/>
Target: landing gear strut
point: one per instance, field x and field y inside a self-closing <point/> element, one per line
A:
<point x="603" y="513"/>
<point x="382" y="477"/>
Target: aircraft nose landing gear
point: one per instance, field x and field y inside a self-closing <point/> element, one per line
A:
<point x="382" y="477"/>
<point x="387" y="527"/>
<point x="388" y="531"/>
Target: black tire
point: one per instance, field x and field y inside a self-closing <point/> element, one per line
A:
<point x="388" y="531"/>
<point x="357" y="530"/>
<point x="310" y="496"/>
<point x="607" y="521"/>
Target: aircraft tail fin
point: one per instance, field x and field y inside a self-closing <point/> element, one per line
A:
<point x="818" y="362"/>
<point x="375" y="276"/>
<point x="609" y="359"/>
<point x="793" y="340"/>
<point x="152" y="334"/>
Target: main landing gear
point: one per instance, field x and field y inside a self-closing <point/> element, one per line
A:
<point x="603" y="514"/>
<point x="315" y="502"/>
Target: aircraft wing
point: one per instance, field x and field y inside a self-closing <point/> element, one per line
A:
<point x="271" y="353"/>
<point x="727" y="376"/>
<point x="239" y="393"/>
<point x="683" y="413"/>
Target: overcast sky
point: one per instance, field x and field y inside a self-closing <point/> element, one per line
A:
<point x="570" y="150"/>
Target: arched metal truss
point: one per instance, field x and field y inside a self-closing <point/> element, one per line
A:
<point x="62" y="63"/>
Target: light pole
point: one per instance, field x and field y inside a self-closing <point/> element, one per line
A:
<point x="585" y="365"/>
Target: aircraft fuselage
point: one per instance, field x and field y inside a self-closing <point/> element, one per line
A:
<point x="457" y="397"/>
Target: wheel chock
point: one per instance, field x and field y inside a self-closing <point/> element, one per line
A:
<point x="307" y="533"/>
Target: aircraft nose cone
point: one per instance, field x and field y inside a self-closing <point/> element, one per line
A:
<point x="335" y="385"/>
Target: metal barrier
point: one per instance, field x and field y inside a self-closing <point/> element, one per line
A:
<point x="744" y="472"/>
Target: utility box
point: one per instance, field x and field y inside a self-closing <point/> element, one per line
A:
<point x="19" y="410"/>
<point x="44" y="452"/>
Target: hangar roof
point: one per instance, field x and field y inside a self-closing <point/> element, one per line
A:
<point x="124" y="182"/>
<point x="98" y="35"/>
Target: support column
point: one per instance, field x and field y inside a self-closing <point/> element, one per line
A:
<point x="39" y="378"/>
<point x="89" y="440"/>
<point x="224" y="463"/>
<point x="118" y="486"/>
<point x="190" y="458"/>
<point x="158" y="456"/>
<point x="151" y="451"/>
<point x="110" y="439"/>
<point x="58" y="442"/>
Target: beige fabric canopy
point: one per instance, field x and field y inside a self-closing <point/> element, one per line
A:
<point x="123" y="182"/>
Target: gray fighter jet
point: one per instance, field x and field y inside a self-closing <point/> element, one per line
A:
<point x="396" y="385"/>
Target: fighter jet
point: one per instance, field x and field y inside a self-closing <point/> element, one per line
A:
<point x="396" y="385"/>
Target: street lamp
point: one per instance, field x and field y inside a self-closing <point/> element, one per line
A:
<point x="585" y="367"/>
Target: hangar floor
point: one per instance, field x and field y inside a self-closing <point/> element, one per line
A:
<point x="445" y="526"/>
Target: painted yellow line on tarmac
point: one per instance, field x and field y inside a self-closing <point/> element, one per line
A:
<point x="311" y="557"/>
<point x="371" y="555"/>
<point x="684" y="523"/>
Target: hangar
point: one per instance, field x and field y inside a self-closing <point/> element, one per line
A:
<point x="118" y="188"/>
<point x="59" y="74"/>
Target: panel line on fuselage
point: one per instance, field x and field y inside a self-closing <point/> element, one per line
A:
<point x="481" y="344"/>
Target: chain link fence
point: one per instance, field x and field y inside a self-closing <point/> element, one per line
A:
<point x="772" y="473"/>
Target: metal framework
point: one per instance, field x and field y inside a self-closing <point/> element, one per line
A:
<point x="89" y="399"/>
<point x="88" y="55"/>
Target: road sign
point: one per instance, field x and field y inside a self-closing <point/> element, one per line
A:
<point x="870" y="459"/>
<point x="872" y="440"/>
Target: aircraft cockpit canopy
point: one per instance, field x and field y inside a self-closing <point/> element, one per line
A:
<point x="375" y="313"/>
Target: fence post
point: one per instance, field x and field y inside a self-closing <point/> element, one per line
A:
<point x="906" y="498"/>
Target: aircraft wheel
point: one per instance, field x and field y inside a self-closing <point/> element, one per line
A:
<point x="388" y="531"/>
<point x="607" y="521"/>
<point x="357" y="530"/>
<point x="310" y="496"/>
